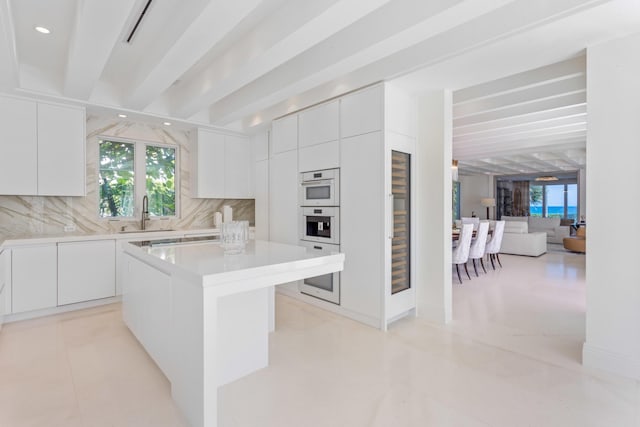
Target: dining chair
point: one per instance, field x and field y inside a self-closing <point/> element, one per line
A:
<point x="478" y="245"/>
<point x="460" y="254"/>
<point x="471" y="220"/>
<point x="493" y="245"/>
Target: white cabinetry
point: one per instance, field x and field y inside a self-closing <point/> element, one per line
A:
<point x="42" y="148"/>
<point x="318" y="124"/>
<point x="319" y="156"/>
<point x="61" y="144"/>
<point x="284" y="134"/>
<point x="262" y="199"/>
<point x="283" y="197"/>
<point x="34" y="278"/>
<point x="221" y="166"/>
<point x="86" y="271"/>
<point x="362" y="112"/>
<point x="237" y="168"/>
<point x="19" y="143"/>
<point x="147" y="309"/>
<point x="362" y="219"/>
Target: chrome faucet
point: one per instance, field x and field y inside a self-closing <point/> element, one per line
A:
<point x="145" y="212"/>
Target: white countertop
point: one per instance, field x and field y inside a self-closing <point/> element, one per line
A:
<point x="207" y="264"/>
<point x="40" y="239"/>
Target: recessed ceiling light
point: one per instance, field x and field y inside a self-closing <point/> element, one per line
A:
<point x="124" y="116"/>
<point x="167" y="123"/>
<point x="42" y="30"/>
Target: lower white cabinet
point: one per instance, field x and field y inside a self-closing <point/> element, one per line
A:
<point x="86" y="271"/>
<point x="34" y="277"/>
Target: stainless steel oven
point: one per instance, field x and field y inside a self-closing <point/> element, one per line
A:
<point x="320" y="188"/>
<point x="327" y="286"/>
<point x="321" y="224"/>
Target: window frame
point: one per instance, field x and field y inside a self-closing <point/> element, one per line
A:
<point x="140" y="177"/>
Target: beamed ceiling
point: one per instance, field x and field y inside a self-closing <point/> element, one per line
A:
<point x="239" y="64"/>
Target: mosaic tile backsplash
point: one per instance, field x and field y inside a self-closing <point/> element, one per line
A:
<point x="26" y="215"/>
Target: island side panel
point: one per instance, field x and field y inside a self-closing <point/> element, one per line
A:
<point x="194" y="359"/>
<point x="243" y="334"/>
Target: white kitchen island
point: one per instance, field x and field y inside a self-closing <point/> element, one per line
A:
<point x="204" y="316"/>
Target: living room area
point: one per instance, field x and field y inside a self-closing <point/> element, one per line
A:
<point x="519" y="145"/>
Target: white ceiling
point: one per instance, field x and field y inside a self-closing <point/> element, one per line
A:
<point x="239" y="64"/>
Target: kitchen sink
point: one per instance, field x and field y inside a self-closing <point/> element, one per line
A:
<point x="142" y="231"/>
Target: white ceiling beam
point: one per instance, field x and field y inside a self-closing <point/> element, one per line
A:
<point x="551" y="90"/>
<point x="9" y="77"/>
<point x="519" y="147"/>
<point x="531" y="137"/>
<point x="98" y="26"/>
<point x="524" y="131"/>
<point x="278" y="39"/>
<point x="535" y="117"/>
<point x="558" y="71"/>
<point x="431" y="44"/>
<point x="564" y="101"/>
<point x="211" y="25"/>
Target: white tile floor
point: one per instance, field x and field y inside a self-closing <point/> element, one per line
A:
<point x="510" y="358"/>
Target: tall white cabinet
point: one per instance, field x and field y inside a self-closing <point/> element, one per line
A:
<point x="363" y="133"/>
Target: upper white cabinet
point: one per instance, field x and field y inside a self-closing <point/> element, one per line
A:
<point x="221" y="166"/>
<point x="319" y="156"/>
<point x="362" y="112"/>
<point x="42" y="148"/>
<point x="237" y="168"/>
<point x="34" y="279"/>
<point x="318" y="124"/>
<point x="86" y="271"/>
<point x="284" y="134"/>
<point x="19" y="143"/>
<point x="61" y="148"/>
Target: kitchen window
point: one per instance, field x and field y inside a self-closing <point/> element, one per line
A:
<point x="128" y="170"/>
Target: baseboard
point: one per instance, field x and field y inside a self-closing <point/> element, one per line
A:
<point x="369" y="321"/>
<point x="598" y="358"/>
<point x="16" y="317"/>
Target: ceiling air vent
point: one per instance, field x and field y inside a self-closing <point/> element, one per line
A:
<point x="137" y="24"/>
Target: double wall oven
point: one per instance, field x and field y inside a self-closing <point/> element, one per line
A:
<point x="320" y="227"/>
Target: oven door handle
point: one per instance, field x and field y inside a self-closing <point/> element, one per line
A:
<point x="317" y="182"/>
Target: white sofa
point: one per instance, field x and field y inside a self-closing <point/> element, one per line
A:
<point x="517" y="240"/>
<point x="550" y="226"/>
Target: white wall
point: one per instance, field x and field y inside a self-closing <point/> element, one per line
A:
<point x="473" y="188"/>
<point x="613" y="148"/>
<point x="582" y="197"/>
<point x="433" y="210"/>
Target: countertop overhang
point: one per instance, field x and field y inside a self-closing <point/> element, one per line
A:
<point x="263" y="263"/>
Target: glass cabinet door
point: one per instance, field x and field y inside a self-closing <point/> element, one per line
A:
<point x="400" y="243"/>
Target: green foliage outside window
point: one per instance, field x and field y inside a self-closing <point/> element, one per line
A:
<point x="117" y="179"/>
<point x="161" y="167"/>
<point x="535" y="200"/>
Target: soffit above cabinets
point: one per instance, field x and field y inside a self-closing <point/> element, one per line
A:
<point x="239" y="64"/>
